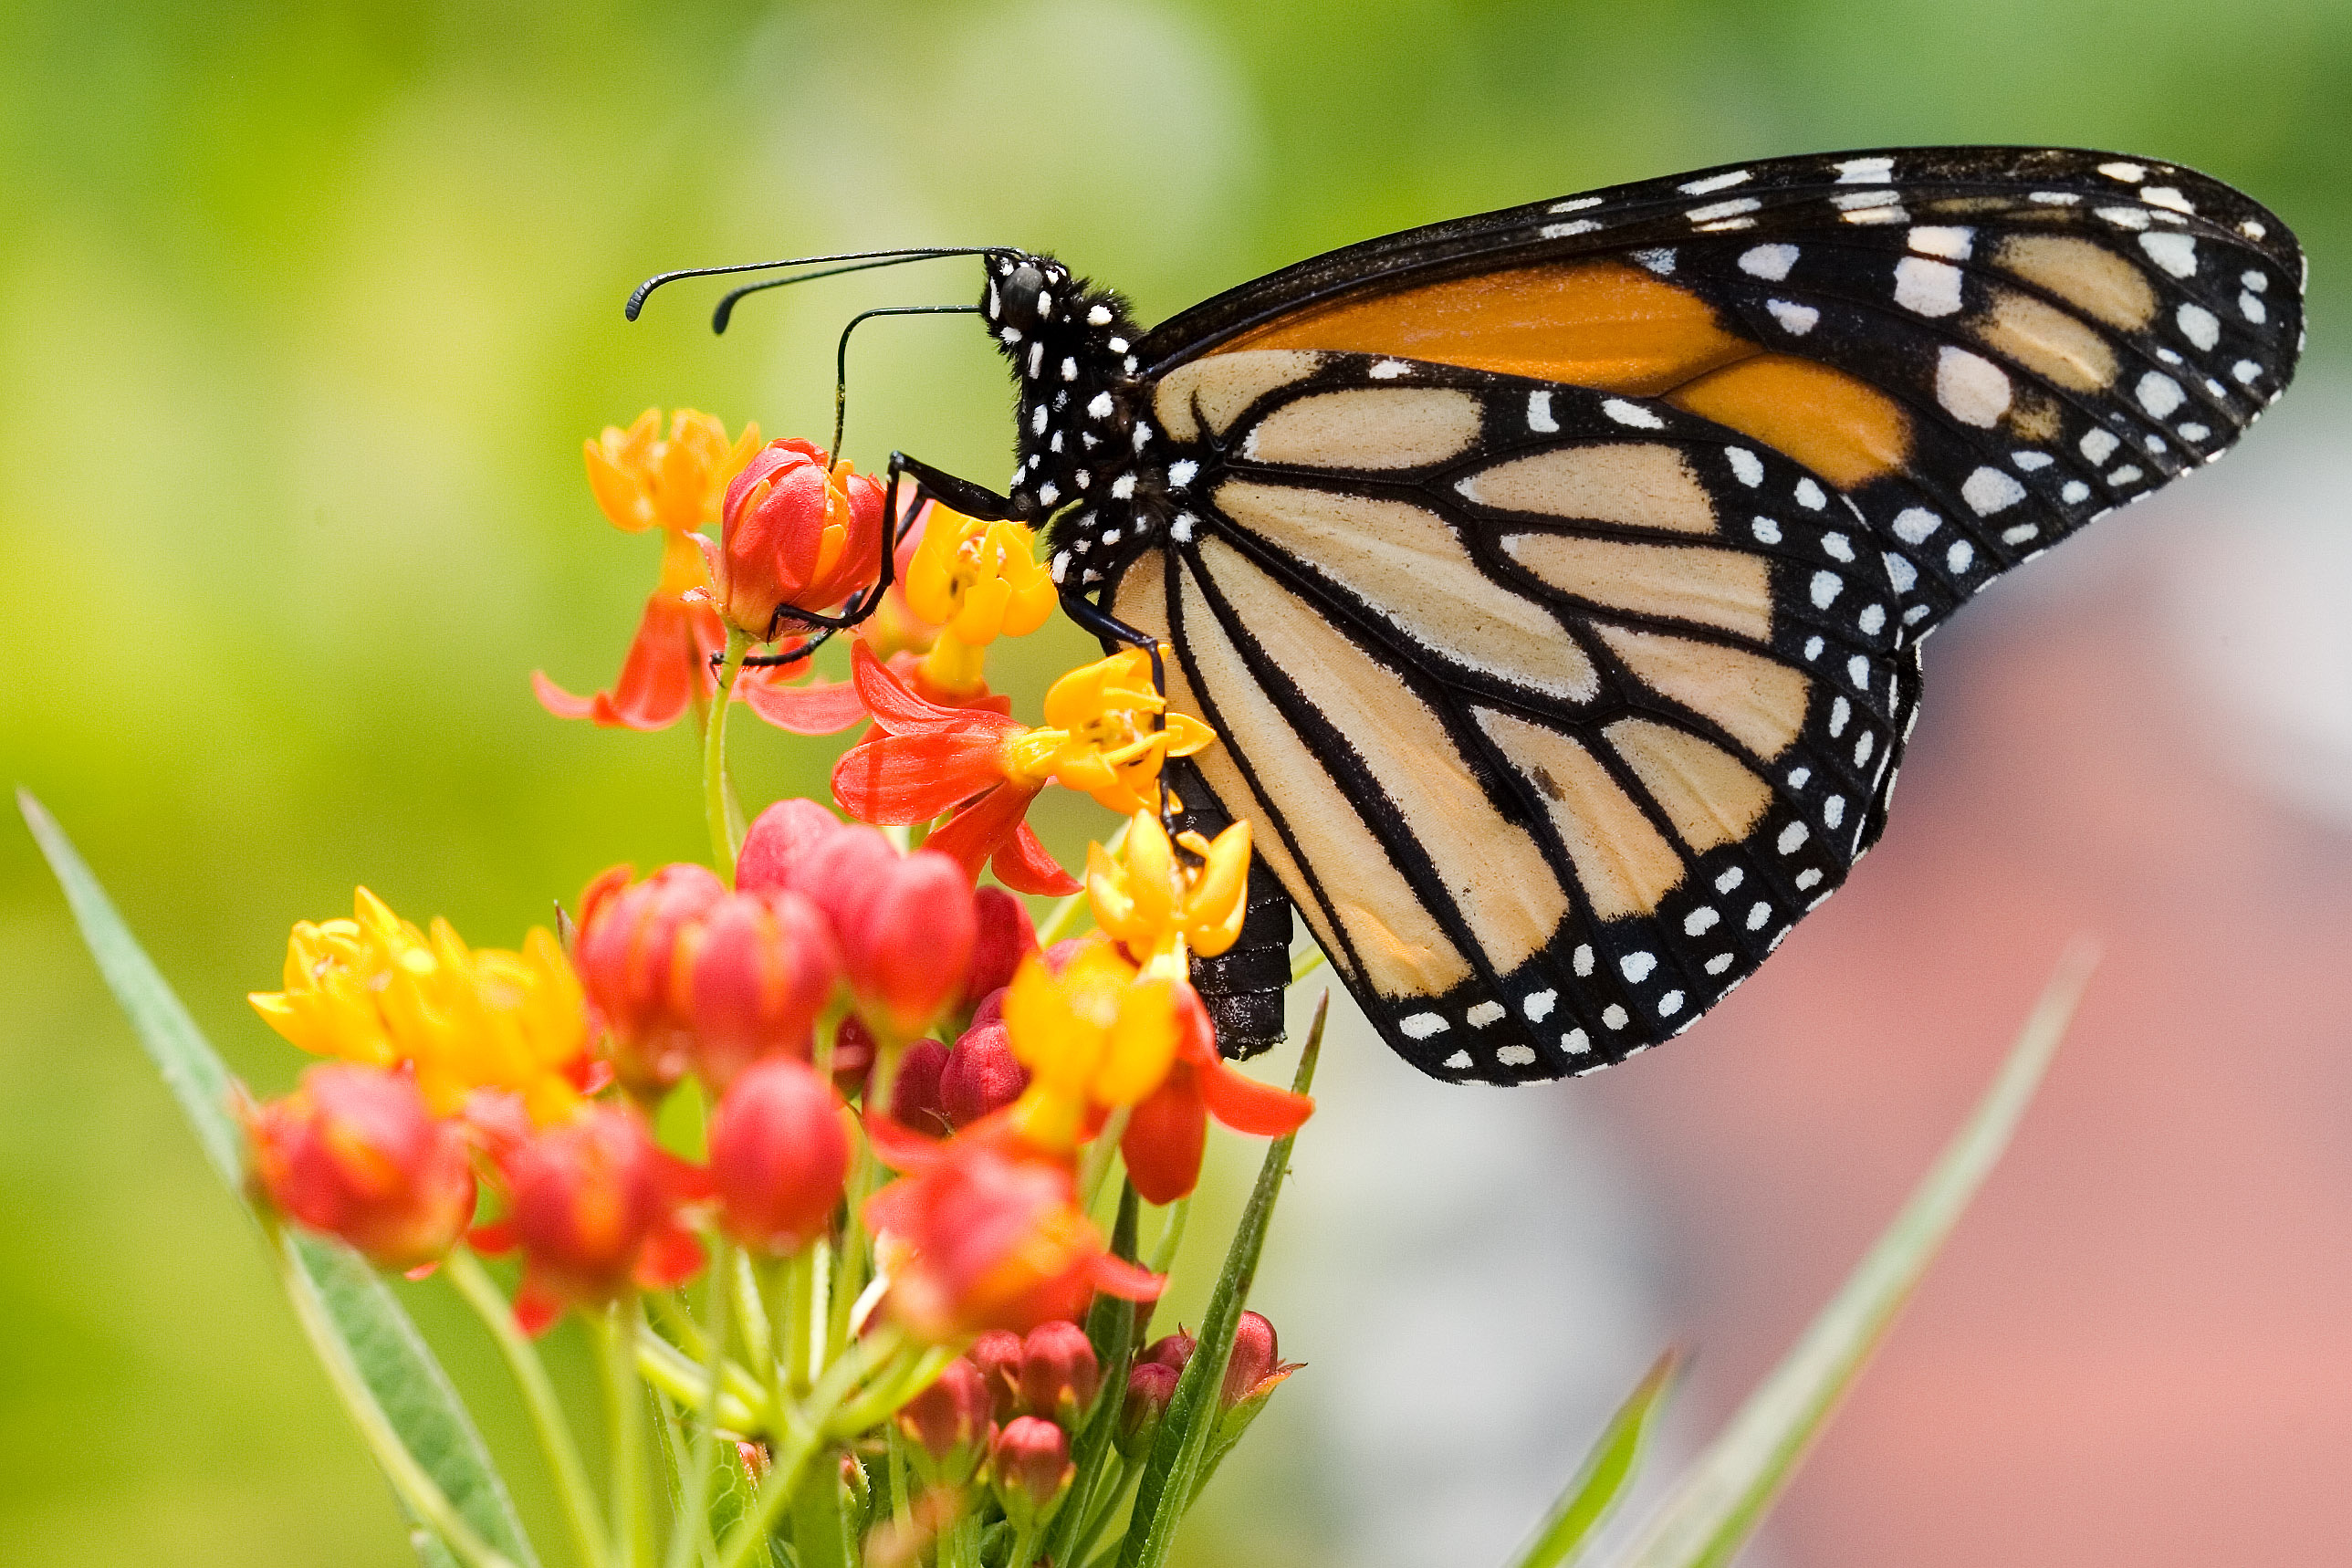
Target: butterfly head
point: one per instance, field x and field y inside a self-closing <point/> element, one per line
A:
<point x="1071" y="347"/>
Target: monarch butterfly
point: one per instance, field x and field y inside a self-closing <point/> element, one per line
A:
<point x="1555" y="578"/>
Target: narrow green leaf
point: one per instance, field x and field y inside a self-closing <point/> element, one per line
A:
<point x="1166" y="1488"/>
<point x="400" y="1372"/>
<point x="191" y="1071"/>
<point x="1111" y="1326"/>
<point x="1607" y="1471"/>
<point x="1718" y="1503"/>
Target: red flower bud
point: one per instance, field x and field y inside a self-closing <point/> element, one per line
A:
<point x="779" y="1156"/>
<point x="355" y="1153"/>
<point x="905" y="935"/>
<point x="796" y="533"/>
<point x="1254" y="1359"/>
<point x="756" y="973"/>
<point x="1059" y="1373"/>
<point x="1172" y="1351"/>
<point x="1150" y="1388"/>
<point x="953" y="1417"/>
<point x="990" y="1009"/>
<point x="594" y="1204"/>
<point x="915" y="1092"/>
<point x="997" y="1353"/>
<point x="1030" y="1465"/>
<point x="1005" y="936"/>
<point x="980" y="1075"/>
<point x="853" y="1056"/>
<point x="625" y="953"/>
<point x="780" y="838"/>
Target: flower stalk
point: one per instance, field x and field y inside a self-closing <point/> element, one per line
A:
<point x="719" y="813"/>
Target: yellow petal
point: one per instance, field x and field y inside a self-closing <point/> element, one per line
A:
<point x="980" y="617"/>
<point x="619" y="495"/>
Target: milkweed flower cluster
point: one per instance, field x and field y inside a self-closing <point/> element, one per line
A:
<point x="819" y="1139"/>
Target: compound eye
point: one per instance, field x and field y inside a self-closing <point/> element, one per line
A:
<point x="1021" y="292"/>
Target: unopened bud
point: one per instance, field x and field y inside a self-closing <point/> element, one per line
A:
<point x="980" y="1075"/>
<point x="1059" y="1373"/>
<point x="626" y="953"/>
<point x="1253" y="1361"/>
<point x="951" y="1420"/>
<point x="757" y="970"/>
<point x="997" y="1353"/>
<point x="1173" y="1351"/>
<point x="1030" y="1468"/>
<point x="779" y="1156"/>
<point x="1149" y="1387"/>
<point x="915" y="1093"/>
<point x="1005" y="935"/>
<point x="779" y="838"/>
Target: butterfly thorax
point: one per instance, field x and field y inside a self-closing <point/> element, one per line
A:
<point x="1087" y="449"/>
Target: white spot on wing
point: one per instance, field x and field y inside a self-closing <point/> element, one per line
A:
<point x="1484" y="1013"/>
<point x="1744" y="464"/>
<point x="1633" y="414"/>
<point x="1582" y="961"/>
<point x="1422" y="1026"/>
<point x="1915" y="524"/>
<point x="1713" y="183"/>
<point x="1810" y="496"/>
<point x="1460" y="1060"/>
<point x="1575" y="204"/>
<point x="1538" y="1006"/>
<point x="1826" y="587"/>
<point x="1562" y="230"/>
<point x="1638" y="966"/>
<point x="1616" y="1017"/>
<point x="1769" y="261"/>
<point x="1926" y="288"/>
<point x="2129" y="173"/>
<point x="2158" y="393"/>
<point x="1517" y="1055"/>
<point x="1730" y="880"/>
<point x="1715" y="210"/>
<point x="1792" y="838"/>
<point x="1575" y="1042"/>
<point x="1864" y="171"/>
<point x="1988" y="490"/>
<point x="1659" y="259"/>
<point x="1795" y="320"/>
<point x="2176" y="253"/>
<point x="1540" y="417"/>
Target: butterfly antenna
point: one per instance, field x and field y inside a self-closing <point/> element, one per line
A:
<point x="637" y="296"/>
<point x="841" y="355"/>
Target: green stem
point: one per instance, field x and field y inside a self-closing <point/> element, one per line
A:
<point x="1025" y="1548"/>
<point x="800" y="1433"/>
<point x="695" y="1511"/>
<point x="416" y="1489"/>
<point x="716" y="815"/>
<point x="555" y="1439"/>
<point x="617" y="1332"/>
<point x="742" y="1406"/>
<point x="753" y="1308"/>
<point x="1096" y="1169"/>
<point x="1172" y="1235"/>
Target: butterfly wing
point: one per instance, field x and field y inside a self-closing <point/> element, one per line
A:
<point x="1550" y="733"/>
<point x="1555" y="577"/>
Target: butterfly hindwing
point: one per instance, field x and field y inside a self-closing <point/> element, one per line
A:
<point x="1553" y="724"/>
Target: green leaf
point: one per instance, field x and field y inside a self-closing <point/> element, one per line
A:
<point x="1719" y="1502"/>
<point x="1607" y="1471"/>
<point x="1110" y="1327"/>
<point x="1166" y="1488"/>
<point x="410" y="1393"/>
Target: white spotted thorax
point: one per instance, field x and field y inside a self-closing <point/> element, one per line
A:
<point x="1086" y="442"/>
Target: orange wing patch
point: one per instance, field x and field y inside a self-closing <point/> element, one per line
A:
<point x="1594" y="324"/>
<point x="1843" y="428"/>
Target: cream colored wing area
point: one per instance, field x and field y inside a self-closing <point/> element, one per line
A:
<point x="1142" y="602"/>
<point x="1492" y="868"/>
<point x="1713" y="587"/>
<point x="1369" y="429"/>
<point x="2084" y="273"/>
<point x="1409" y="566"/>
<point x="2046" y="340"/>
<point x="1224" y="386"/>
<point x="1711" y="796"/>
<point x="1641" y="486"/>
<point x="1759" y="703"/>
<point x="1625" y="864"/>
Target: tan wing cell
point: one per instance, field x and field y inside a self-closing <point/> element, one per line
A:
<point x="1623" y="862"/>
<point x="1714" y="587"/>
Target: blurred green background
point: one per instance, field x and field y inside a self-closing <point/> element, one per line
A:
<point x="305" y="310"/>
